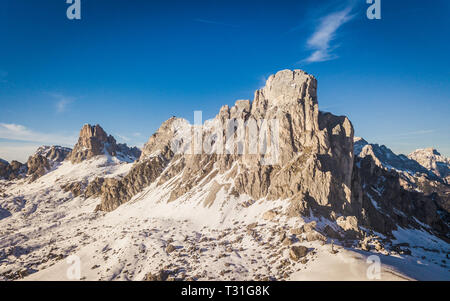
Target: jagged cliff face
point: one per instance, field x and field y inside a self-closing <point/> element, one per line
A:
<point x="274" y="180"/>
<point x="93" y="141"/>
<point x="44" y="159"/>
<point x="13" y="170"/>
<point x="308" y="157"/>
<point x="384" y="157"/>
<point x="434" y="161"/>
<point x="390" y="190"/>
<point x="382" y="202"/>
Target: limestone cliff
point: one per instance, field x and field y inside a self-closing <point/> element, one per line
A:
<point x="310" y="161"/>
<point x="93" y="141"/>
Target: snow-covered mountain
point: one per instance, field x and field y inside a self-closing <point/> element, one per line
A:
<point x="432" y="160"/>
<point x="308" y="203"/>
<point x="385" y="157"/>
<point x="423" y="170"/>
<point x="94" y="141"/>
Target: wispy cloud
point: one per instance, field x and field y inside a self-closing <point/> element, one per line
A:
<point x="320" y="41"/>
<point x="17" y="151"/>
<point x="19" y="132"/>
<point x="405" y="136"/>
<point x="215" y="23"/>
<point x="417" y="133"/>
<point x="122" y="137"/>
<point x="62" y="101"/>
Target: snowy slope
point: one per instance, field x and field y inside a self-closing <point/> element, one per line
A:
<point x="228" y="239"/>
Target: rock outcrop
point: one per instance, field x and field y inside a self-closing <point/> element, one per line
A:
<point x="93" y="141"/>
<point x="382" y="203"/>
<point x="432" y="160"/>
<point x="45" y="159"/>
<point x="423" y="171"/>
<point x="3" y="169"/>
<point x="310" y="161"/>
<point x="307" y="157"/>
<point x="385" y="157"/>
<point x="13" y="170"/>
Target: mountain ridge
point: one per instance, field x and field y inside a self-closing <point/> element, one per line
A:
<point x="254" y="193"/>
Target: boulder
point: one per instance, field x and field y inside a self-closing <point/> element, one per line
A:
<point x="297" y="252"/>
<point x="269" y="215"/>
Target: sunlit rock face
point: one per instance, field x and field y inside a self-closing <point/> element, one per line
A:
<point x="93" y="141"/>
<point x="310" y="159"/>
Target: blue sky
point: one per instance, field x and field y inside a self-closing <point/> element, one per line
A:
<point x="130" y="65"/>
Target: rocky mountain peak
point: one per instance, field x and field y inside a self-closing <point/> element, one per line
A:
<point x="284" y="89"/>
<point x="431" y="159"/>
<point x="46" y="158"/>
<point x="385" y="158"/>
<point x="13" y="170"/>
<point x="289" y="85"/>
<point x="311" y="161"/>
<point x="425" y="152"/>
<point x="94" y="141"/>
<point x="54" y="153"/>
<point x="93" y="132"/>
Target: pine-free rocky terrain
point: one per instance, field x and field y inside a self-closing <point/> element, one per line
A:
<point x="319" y="204"/>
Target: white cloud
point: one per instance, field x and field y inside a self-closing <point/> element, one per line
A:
<point x="62" y="101"/>
<point x="325" y="33"/>
<point x="19" y="132"/>
<point x="122" y="137"/>
<point x="17" y="151"/>
<point x="418" y="132"/>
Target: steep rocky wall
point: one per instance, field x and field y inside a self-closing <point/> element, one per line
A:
<point x="94" y="141"/>
<point x="381" y="203"/>
<point x="44" y="159"/>
<point x="315" y="151"/>
<point x="13" y="170"/>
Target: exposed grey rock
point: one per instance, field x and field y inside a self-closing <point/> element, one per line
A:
<point x="315" y="236"/>
<point x="55" y="153"/>
<point x="269" y="215"/>
<point x="297" y="252"/>
<point x="94" y="141"/>
<point x="162" y="275"/>
<point x="385" y="157"/>
<point x="381" y="203"/>
<point x="94" y="188"/>
<point x="45" y="159"/>
<point x="316" y="170"/>
<point x="432" y="160"/>
<point x="308" y="227"/>
<point x="170" y="248"/>
<point x="348" y="223"/>
<point x="13" y="170"/>
<point x="4" y="174"/>
<point x="315" y="160"/>
<point x="76" y="188"/>
<point x="419" y="172"/>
